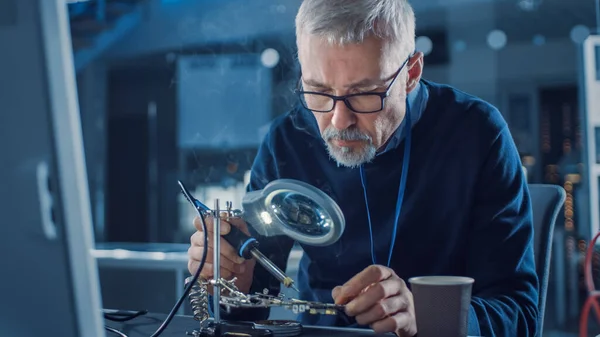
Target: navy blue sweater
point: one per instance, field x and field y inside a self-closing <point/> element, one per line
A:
<point x="466" y="209"/>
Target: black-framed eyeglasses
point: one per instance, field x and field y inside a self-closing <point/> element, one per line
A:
<point x="367" y="102"/>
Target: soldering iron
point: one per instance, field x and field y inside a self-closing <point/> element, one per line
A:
<point x="245" y="245"/>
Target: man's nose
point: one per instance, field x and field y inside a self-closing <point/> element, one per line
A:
<point x="343" y="117"/>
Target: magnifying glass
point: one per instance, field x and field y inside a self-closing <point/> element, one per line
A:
<point x="295" y="209"/>
<point x="284" y="207"/>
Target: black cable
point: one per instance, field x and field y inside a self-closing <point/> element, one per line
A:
<point x="122" y="315"/>
<point x="189" y="286"/>
<point x="115" y="331"/>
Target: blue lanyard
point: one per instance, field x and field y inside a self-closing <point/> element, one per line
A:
<point x="401" y="190"/>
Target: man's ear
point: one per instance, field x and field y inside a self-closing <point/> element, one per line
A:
<point x="415" y="69"/>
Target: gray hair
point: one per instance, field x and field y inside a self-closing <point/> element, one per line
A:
<point x="352" y="21"/>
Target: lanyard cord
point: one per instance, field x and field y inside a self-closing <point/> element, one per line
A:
<point x="401" y="190"/>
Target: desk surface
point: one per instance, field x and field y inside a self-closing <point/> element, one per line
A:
<point x="146" y="325"/>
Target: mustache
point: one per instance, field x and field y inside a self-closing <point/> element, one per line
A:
<point x="346" y="134"/>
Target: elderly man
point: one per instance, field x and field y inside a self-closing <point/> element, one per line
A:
<point x="427" y="176"/>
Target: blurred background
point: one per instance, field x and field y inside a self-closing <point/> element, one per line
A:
<point x="186" y="89"/>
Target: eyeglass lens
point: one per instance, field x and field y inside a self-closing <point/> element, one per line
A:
<point x="359" y="103"/>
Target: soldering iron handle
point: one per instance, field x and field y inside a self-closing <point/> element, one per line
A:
<point x="242" y="243"/>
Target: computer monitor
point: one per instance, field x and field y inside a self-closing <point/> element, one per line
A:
<point x="48" y="278"/>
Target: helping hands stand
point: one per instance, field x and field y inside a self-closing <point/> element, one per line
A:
<point x="225" y="293"/>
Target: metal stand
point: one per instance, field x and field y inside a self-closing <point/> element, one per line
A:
<point x="217" y="263"/>
<point x="234" y="298"/>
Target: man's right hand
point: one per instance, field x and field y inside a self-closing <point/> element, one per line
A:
<point x="232" y="265"/>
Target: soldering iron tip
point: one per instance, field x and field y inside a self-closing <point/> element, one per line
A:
<point x="294" y="287"/>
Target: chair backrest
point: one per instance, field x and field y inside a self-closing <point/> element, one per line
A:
<point x="547" y="201"/>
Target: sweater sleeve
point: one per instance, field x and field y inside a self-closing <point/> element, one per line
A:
<point x="277" y="249"/>
<point x="501" y="260"/>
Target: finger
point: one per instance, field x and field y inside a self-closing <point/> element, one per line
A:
<point x="210" y="225"/>
<point x="195" y="253"/>
<point x="225" y="226"/>
<point x="227" y="250"/>
<point x="197" y="239"/>
<point x="198" y="223"/>
<point x="383" y="309"/>
<point x="374" y="294"/>
<point x="370" y="275"/>
<point x="240" y="224"/>
<point x="399" y="321"/>
<point x="336" y="292"/>
<point x="207" y="271"/>
<point x="237" y="222"/>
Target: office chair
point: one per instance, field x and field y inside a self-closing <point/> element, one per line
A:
<point x="547" y="201"/>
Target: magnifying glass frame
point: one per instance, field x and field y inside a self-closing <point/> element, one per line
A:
<point x="256" y="203"/>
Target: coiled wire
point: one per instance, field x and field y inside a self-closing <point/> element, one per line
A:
<point x="198" y="298"/>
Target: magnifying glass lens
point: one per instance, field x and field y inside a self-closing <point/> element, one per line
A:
<point x="300" y="213"/>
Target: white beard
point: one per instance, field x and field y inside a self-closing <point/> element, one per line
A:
<point x="351" y="157"/>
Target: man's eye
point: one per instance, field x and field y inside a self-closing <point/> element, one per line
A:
<point x="365" y="91"/>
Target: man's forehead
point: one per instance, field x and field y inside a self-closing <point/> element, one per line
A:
<point x="316" y="51"/>
<point x="370" y="45"/>
<point x="344" y="70"/>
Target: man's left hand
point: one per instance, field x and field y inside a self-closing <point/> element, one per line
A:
<point x="379" y="298"/>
